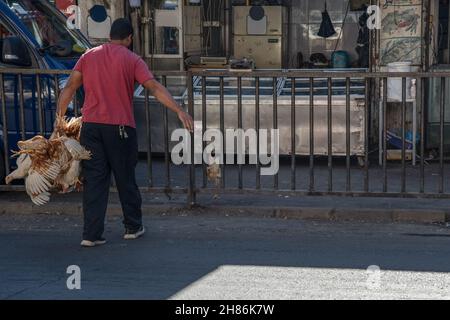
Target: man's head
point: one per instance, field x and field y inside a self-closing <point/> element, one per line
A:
<point x="121" y="32"/>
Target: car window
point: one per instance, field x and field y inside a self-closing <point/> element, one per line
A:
<point x="7" y="32"/>
<point x="48" y="30"/>
<point x="3" y="34"/>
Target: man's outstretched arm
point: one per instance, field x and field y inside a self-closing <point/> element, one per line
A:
<point x="163" y="96"/>
<point x="75" y="81"/>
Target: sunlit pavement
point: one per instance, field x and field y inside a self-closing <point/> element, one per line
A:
<point x="225" y="258"/>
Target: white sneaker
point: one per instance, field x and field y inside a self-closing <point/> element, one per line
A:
<point x="133" y="235"/>
<point x="90" y="244"/>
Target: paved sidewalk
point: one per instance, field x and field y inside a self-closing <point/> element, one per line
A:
<point x="178" y="176"/>
<point x="333" y="208"/>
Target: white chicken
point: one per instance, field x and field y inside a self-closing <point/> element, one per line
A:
<point x="65" y="127"/>
<point x="49" y="165"/>
<point x="70" y="129"/>
<point x="23" y="166"/>
<point x="214" y="173"/>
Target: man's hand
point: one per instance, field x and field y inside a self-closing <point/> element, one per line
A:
<point x="187" y="120"/>
<point x="163" y="96"/>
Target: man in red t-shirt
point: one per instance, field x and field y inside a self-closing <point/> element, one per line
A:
<point x="108" y="74"/>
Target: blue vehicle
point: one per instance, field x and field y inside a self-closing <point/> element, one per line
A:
<point x="33" y="35"/>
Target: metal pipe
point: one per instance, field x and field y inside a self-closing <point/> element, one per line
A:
<point x="259" y="73"/>
<point x="420" y="90"/>
<point x="366" y="136"/>
<point x="75" y="105"/>
<point x="354" y="194"/>
<point x="191" y="187"/>
<point x="257" y="125"/>
<point x="384" y="143"/>
<point x="4" y="126"/>
<point x="40" y="107"/>
<point x="57" y="87"/>
<point x="149" y="139"/>
<point x="166" y="140"/>
<point x="293" y="136"/>
<point x="239" y="92"/>
<point x="222" y="129"/>
<point x="441" y="133"/>
<point x="22" y="108"/>
<point x="330" y="136"/>
<point x="347" y="133"/>
<point x="311" y="135"/>
<point x="403" y="120"/>
<point x="320" y="74"/>
<point x="56" y="96"/>
<point x="204" y="119"/>
<point x="275" y="122"/>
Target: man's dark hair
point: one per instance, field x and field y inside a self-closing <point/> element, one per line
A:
<point x="121" y="29"/>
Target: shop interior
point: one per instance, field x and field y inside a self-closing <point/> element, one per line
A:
<point x="256" y="34"/>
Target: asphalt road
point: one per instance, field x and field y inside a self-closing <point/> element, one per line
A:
<point x="192" y="257"/>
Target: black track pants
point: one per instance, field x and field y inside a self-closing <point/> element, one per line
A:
<point x="114" y="153"/>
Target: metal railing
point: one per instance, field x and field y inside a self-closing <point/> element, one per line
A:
<point x="310" y="104"/>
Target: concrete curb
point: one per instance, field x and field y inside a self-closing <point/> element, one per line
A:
<point x="303" y="213"/>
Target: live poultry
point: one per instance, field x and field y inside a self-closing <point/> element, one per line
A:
<point x="69" y="128"/>
<point x="23" y="167"/>
<point x="49" y="165"/>
<point x="65" y="127"/>
<point x="214" y="174"/>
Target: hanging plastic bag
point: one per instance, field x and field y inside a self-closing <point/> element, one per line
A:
<point x="326" y="27"/>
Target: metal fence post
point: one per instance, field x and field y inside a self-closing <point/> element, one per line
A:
<point x="191" y="167"/>
<point x="4" y="125"/>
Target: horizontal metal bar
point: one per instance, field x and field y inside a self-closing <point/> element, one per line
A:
<point x="68" y="72"/>
<point x="261" y="73"/>
<point x="34" y="71"/>
<point x="176" y="190"/>
<point x="320" y="74"/>
<point x="354" y="194"/>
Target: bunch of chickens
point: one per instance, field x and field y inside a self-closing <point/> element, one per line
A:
<point x="51" y="165"/>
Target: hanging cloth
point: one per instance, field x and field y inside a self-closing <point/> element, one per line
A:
<point x="326" y="27"/>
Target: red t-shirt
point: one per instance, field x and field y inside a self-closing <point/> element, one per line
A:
<point x="109" y="74"/>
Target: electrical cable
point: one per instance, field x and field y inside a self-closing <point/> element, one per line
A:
<point x="342" y="27"/>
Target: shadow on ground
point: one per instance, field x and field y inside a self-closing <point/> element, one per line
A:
<point x="178" y="252"/>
